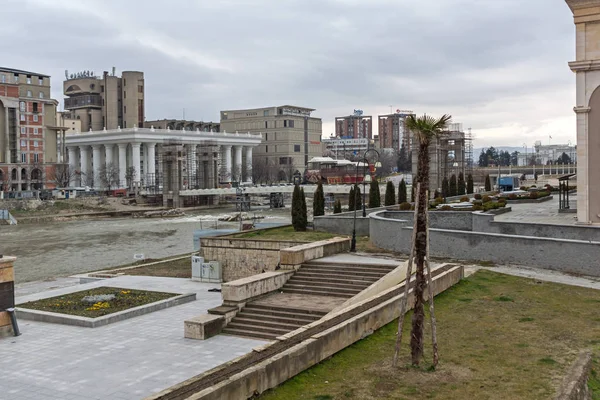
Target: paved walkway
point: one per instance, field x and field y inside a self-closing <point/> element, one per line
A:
<point x="540" y="213"/>
<point x="126" y="360"/>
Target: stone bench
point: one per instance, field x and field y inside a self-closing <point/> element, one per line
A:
<point x="203" y="326"/>
<point x="292" y="257"/>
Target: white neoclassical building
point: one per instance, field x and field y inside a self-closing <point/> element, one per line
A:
<point x="201" y="159"/>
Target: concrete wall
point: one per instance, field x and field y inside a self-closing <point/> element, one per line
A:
<point x="292" y="258"/>
<point x="343" y="223"/>
<point x="241" y="258"/>
<point x="573" y="256"/>
<point x="459" y="220"/>
<point x="244" y="289"/>
<point x="575" y="384"/>
<point x="573" y="232"/>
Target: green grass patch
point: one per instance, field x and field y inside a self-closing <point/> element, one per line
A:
<point x="484" y="352"/>
<point x="526" y="319"/>
<point x="503" y="298"/>
<point x="73" y="304"/>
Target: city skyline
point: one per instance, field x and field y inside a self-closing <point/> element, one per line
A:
<point x="457" y="57"/>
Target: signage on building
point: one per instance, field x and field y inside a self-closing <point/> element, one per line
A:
<point x="295" y="111"/>
<point x="358" y="113"/>
<point x="348" y="142"/>
<point x="77" y="75"/>
<point x="407" y="112"/>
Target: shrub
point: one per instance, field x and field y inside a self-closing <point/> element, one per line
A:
<point x="337" y="207"/>
<point x="523" y="188"/>
<point x="543" y="193"/>
<point x="470" y="184"/>
<point x="478" y="196"/>
<point x="452" y="186"/>
<point x="502" y="205"/>
<point x="512" y="196"/>
<point x="488" y="183"/>
<point x="390" y="194"/>
<point x="486" y="199"/>
<point x="439" y="200"/>
<point x="477" y="207"/>
<point x="319" y="201"/>
<point x="464" y="199"/>
<point x="402" y="192"/>
<point x="405" y="206"/>
<point x="533" y="186"/>
<point x="502" y="200"/>
<point x="374" y="194"/>
<point x="446" y="208"/>
<point x="495" y="206"/>
<point x="533" y="195"/>
<point x="477" y="202"/>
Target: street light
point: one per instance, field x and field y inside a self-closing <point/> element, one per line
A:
<point x="366" y="178"/>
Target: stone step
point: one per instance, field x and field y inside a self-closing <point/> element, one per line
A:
<point x="321" y="276"/>
<point x="360" y="267"/>
<point x="319" y="293"/>
<point x="341" y="272"/>
<point x="275" y="318"/>
<point x="321" y="288"/>
<point x="261" y="322"/>
<point x="335" y="279"/>
<point x="297" y="311"/>
<point x="282" y="314"/>
<point x="251" y="334"/>
<point x="257" y="327"/>
<point x="327" y="283"/>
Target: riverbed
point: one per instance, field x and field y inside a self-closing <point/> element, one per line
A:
<point x="58" y="249"/>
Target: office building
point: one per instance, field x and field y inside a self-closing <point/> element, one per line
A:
<point x="106" y="101"/>
<point x="355" y="126"/>
<point x="28" y="131"/>
<point x="291" y="137"/>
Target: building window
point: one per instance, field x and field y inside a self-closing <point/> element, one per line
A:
<point x="124" y="95"/>
<point x="29" y="94"/>
<point x="266" y="137"/>
<point x="35" y="107"/>
<point x="23" y="157"/>
<point x="41" y="95"/>
<point x="266" y="113"/>
<point x="124" y="82"/>
<point x="35" y="131"/>
<point x="23" y="144"/>
<point x="22" y="117"/>
<point x="296" y="148"/>
<point x="35" y="143"/>
<point x="3" y="78"/>
<point x="22" y="106"/>
<point x="266" y="148"/>
<point x="16" y="78"/>
<point x="284" y="160"/>
<point x="36" y="158"/>
<point x="29" y="79"/>
<point x="40" y="81"/>
<point x="35" y="118"/>
<point x="102" y="88"/>
<point x="140" y="89"/>
<point x="23" y="130"/>
<point x="266" y="124"/>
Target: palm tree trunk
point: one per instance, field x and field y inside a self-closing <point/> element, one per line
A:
<point x="418" y="320"/>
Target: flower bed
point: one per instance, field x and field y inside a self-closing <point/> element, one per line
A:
<point x="97" y="302"/>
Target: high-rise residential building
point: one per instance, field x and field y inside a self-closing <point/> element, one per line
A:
<point x="106" y="101"/>
<point x="392" y="130"/>
<point x="28" y="130"/>
<point x="355" y="126"/>
<point x="291" y="137"/>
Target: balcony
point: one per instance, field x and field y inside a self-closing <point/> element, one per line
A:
<point x="83" y="101"/>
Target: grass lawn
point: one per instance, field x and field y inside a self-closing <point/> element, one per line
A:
<point x="172" y="269"/>
<point x="72" y="303"/>
<point x="500" y="337"/>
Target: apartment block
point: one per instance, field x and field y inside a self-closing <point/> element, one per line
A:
<point x="290" y="136"/>
<point x="108" y="101"/>
<point x="28" y="130"/>
<point x="355" y="126"/>
<point x="392" y="130"/>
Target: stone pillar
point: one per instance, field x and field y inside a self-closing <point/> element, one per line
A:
<point x="237" y="164"/>
<point x="97" y="163"/>
<point x="7" y="294"/>
<point x="73" y="164"/>
<point x="151" y="166"/>
<point x="122" y="164"/>
<point x="85" y="166"/>
<point x="226" y="163"/>
<point x="135" y="160"/>
<point x="7" y="137"/>
<point x="109" y="153"/>
<point x="248" y="164"/>
<point x="587" y="69"/>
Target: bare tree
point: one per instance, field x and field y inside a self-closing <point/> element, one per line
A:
<point x="389" y="161"/>
<point x="61" y="174"/>
<point x="289" y="169"/>
<point x="259" y="170"/>
<point x="108" y="176"/>
<point x="236" y="174"/>
<point x="130" y="175"/>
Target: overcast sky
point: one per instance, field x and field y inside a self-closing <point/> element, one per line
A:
<point x="499" y="67"/>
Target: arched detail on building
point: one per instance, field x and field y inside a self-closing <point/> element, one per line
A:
<point x="171" y="125"/>
<point x="179" y="126"/>
<point x="24" y="174"/>
<point x="73" y="88"/>
<point x="36" y="174"/>
<point x="13" y="174"/>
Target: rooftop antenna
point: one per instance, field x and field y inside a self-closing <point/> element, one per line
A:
<point x="114" y="70"/>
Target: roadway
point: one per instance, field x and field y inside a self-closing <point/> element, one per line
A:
<point x="308" y="189"/>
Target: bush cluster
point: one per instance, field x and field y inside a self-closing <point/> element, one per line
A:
<point x="405" y="206"/>
<point x="477" y="196"/>
<point x="464" y="199"/>
<point x="486" y="199"/>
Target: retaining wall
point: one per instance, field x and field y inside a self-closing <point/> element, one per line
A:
<point x="241" y="258"/>
<point x="573" y="256"/>
<point x="7" y="294"/>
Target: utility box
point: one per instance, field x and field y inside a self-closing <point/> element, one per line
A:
<point x="197" y="268"/>
<point x="209" y="272"/>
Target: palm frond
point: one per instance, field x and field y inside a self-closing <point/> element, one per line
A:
<point x="427" y="127"/>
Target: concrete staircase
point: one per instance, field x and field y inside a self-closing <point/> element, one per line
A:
<point x="334" y="279"/>
<point x="320" y="279"/>
<point x="268" y="322"/>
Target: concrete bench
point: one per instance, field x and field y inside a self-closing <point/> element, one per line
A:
<point x="203" y="326"/>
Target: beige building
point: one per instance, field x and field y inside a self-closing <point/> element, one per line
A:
<point x="71" y="125"/>
<point x="587" y="69"/>
<point x="106" y="101"/>
<point x="291" y="137"/>
<point x="28" y="131"/>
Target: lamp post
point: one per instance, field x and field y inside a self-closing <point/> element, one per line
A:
<point x="526" y="161"/>
<point x="366" y="178"/>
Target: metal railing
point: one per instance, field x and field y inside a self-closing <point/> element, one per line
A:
<point x="7" y="216"/>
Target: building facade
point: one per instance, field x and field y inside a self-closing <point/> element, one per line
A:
<point x="29" y="135"/>
<point x="181" y="124"/>
<point x="355" y="126"/>
<point x="345" y="149"/>
<point x="547" y="154"/>
<point x="107" y="101"/>
<point x="290" y="137"/>
<point x="392" y="130"/>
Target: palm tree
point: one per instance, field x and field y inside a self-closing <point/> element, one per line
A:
<point x="425" y="129"/>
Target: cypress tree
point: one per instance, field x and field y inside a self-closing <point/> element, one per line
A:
<point x="337" y="207"/>
<point x="351" y="199"/>
<point x="319" y="201"/>
<point x="296" y="208"/>
<point x="303" y="212"/>
<point x="462" y="187"/>
<point x="470" y="184"/>
<point x="357" y="197"/>
<point x="390" y="194"/>
<point x="402" y="198"/>
<point x="374" y="194"/>
<point x="488" y="183"/>
<point x="445" y="188"/>
<point x="452" y="189"/>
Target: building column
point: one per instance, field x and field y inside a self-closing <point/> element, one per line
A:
<point x="135" y="159"/>
<point x="237" y="163"/>
<point x="150" y="162"/>
<point x="97" y="163"/>
<point x="109" y="153"/>
<point x="122" y="164"/>
<point x="227" y="163"/>
<point x="85" y="165"/>
<point x="248" y="164"/>
<point x="73" y="163"/>
<point x="7" y="137"/>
